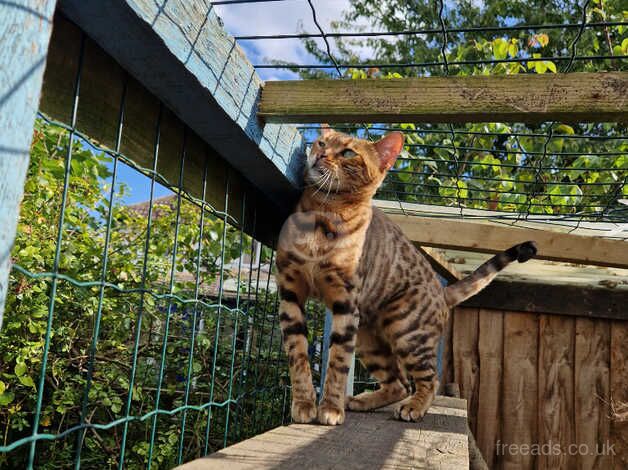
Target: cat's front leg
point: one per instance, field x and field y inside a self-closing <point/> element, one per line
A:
<point x="294" y="332"/>
<point x="340" y="297"/>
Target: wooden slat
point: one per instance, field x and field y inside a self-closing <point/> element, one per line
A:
<point x="536" y="221"/>
<point x="592" y="362"/>
<point x="466" y="361"/>
<point x="571" y="300"/>
<point x="556" y="391"/>
<point x="520" y="390"/>
<point x="364" y="441"/>
<point x="490" y="348"/>
<point x="491" y="238"/>
<point x="447" y="371"/>
<point x="619" y="394"/>
<point x="517" y="98"/>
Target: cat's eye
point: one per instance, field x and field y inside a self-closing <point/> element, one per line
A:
<point x="348" y="153"/>
<point x="321" y="144"/>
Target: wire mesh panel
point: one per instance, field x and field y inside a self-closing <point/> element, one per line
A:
<point x="141" y="325"/>
<point x="553" y="171"/>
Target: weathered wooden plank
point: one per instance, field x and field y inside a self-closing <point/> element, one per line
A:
<point x="556" y="391"/>
<point x="520" y="391"/>
<point x="466" y="361"/>
<point x="515" y="98"/>
<point x="571" y="300"/>
<point x="365" y="440"/>
<point x="24" y="35"/>
<point x="179" y="51"/>
<point x="537" y="221"/>
<point x="490" y="350"/>
<point x="447" y="364"/>
<point x="491" y="238"/>
<point x="592" y="363"/>
<point x="619" y="395"/>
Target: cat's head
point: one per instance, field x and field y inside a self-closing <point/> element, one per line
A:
<point x="340" y="163"/>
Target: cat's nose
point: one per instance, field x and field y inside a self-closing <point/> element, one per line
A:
<point x="320" y="155"/>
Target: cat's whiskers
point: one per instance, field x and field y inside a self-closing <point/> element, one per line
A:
<point x="331" y="184"/>
<point x="322" y="181"/>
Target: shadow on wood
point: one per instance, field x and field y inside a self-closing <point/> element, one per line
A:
<point x="366" y="440"/>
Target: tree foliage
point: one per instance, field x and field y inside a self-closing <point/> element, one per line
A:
<point x="245" y="344"/>
<point x="498" y="166"/>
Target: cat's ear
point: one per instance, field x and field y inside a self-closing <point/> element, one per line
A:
<point x="389" y="147"/>
<point x="325" y="130"/>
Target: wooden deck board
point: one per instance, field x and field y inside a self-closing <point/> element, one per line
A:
<point x="366" y="440"/>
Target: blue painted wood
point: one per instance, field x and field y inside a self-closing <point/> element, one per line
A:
<point x="25" y="28"/>
<point x="179" y="50"/>
<point x="325" y="351"/>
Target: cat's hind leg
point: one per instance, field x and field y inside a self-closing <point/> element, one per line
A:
<point x="381" y="363"/>
<point x="426" y="383"/>
<point x="413" y="329"/>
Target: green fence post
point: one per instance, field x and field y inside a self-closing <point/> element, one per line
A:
<point x="25" y="29"/>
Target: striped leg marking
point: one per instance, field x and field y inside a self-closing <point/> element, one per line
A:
<point x="343" y="304"/>
<point x="294" y="331"/>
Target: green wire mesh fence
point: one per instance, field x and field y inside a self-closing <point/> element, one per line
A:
<point x="137" y="334"/>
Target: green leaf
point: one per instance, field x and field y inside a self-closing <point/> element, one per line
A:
<point x="6" y="398"/>
<point x="3" y="387"/>
<point x="26" y="380"/>
<point x="20" y="369"/>
<point x="500" y="48"/>
<point x="564" y="129"/>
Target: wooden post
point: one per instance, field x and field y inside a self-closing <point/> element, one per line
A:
<point x="25" y="29"/>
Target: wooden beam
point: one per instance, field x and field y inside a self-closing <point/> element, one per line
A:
<point x="521" y="98"/>
<point x="552" y="299"/>
<point x="440" y="264"/>
<point x="181" y="53"/>
<point x="492" y="238"/>
<point x="24" y="35"/>
<point x="534" y="221"/>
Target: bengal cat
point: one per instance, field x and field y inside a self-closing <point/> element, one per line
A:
<point x="384" y="295"/>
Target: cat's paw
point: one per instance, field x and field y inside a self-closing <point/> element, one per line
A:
<point x="330" y="414"/>
<point x="411" y="409"/>
<point x="303" y="411"/>
<point x="355" y="404"/>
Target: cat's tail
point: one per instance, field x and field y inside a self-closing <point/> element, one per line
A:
<point x="481" y="277"/>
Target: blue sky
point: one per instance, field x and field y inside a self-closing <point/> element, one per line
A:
<point x="278" y="18"/>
